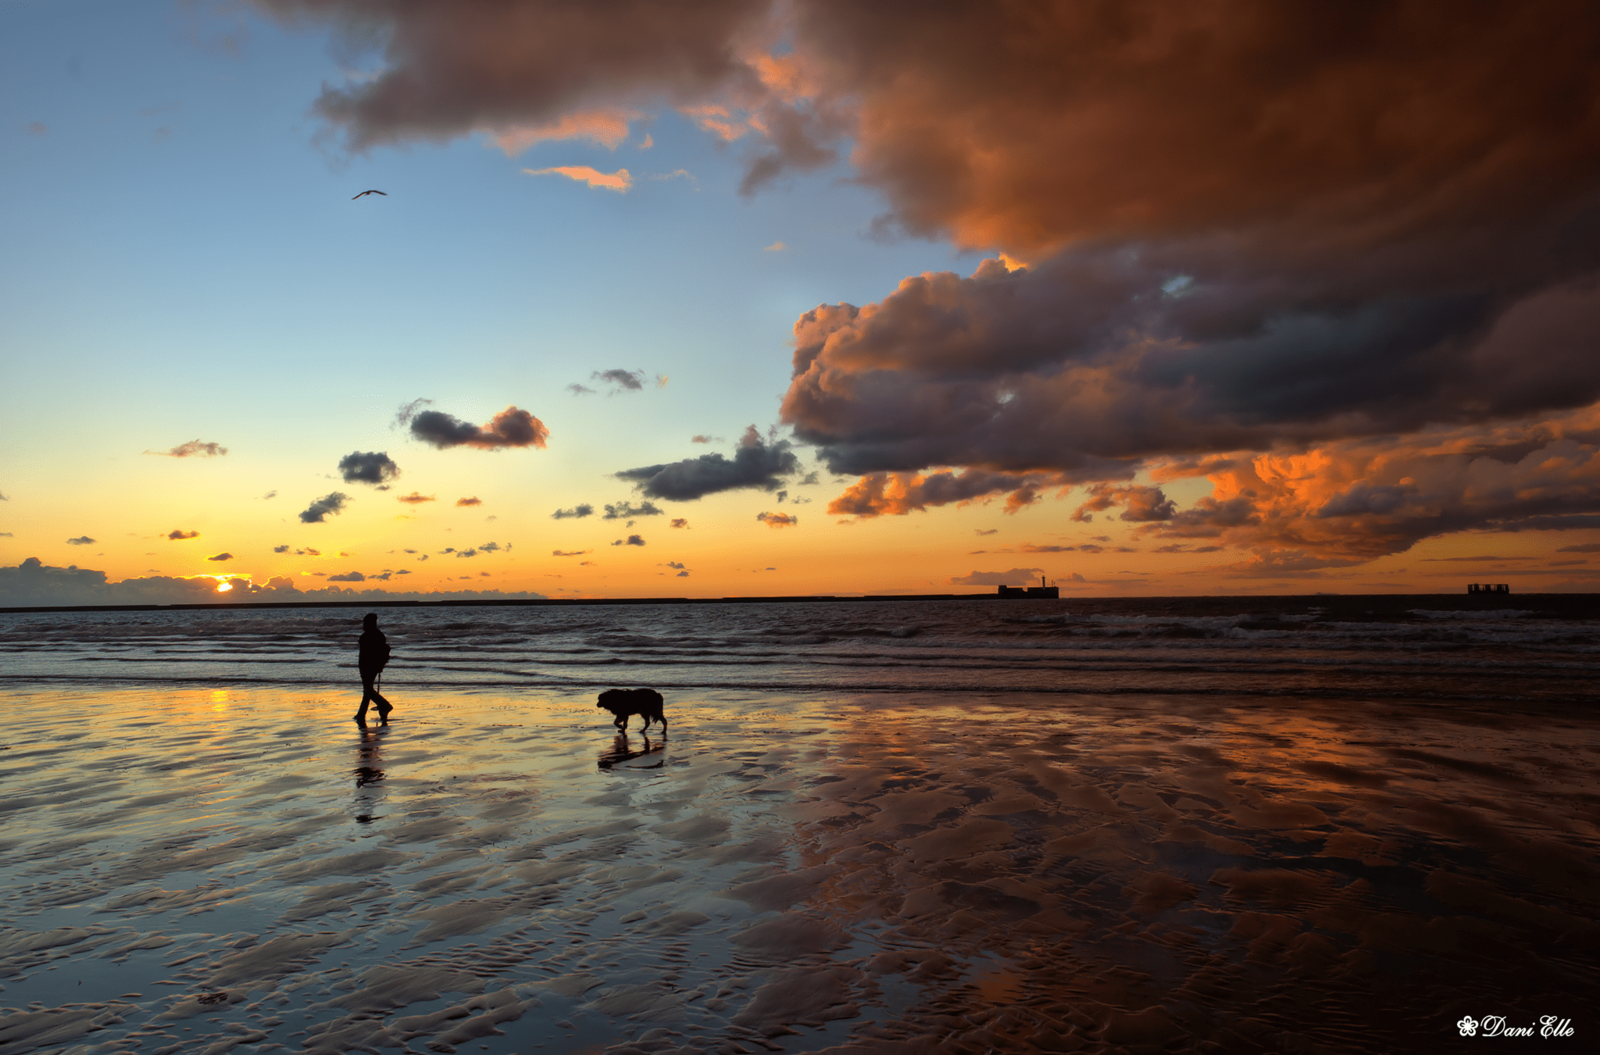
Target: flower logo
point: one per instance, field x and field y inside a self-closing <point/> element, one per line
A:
<point x="1468" y="1026"/>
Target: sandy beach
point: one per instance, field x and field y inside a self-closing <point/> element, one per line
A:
<point x="206" y="870"/>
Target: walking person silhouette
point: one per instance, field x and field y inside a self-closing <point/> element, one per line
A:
<point x="370" y="660"/>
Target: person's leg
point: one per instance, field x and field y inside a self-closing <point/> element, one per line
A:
<point x="368" y="692"/>
<point x="384" y="706"/>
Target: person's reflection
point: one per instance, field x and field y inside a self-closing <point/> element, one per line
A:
<point x="621" y="751"/>
<point x="369" y="772"/>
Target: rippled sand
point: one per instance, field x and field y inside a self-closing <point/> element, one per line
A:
<point x="200" y="871"/>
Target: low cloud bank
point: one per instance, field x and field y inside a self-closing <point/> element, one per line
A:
<point x="33" y="584"/>
<point x="1014" y="577"/>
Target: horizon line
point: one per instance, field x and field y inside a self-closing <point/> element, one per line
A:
<point x="753" y="599"/>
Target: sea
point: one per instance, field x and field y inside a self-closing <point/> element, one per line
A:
<point x="948" y="825"/>
<point x="1427" y="647"/>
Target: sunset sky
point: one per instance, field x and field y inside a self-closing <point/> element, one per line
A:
<point x="731" y="298"/>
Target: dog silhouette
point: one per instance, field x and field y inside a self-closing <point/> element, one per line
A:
<point x="625" y="703"/>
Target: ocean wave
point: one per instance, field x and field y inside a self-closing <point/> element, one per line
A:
<point x="1444" y="648"/>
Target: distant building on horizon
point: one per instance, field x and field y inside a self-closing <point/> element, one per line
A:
<point x="1042" y="590"/>
<point x="1485" y="587"/>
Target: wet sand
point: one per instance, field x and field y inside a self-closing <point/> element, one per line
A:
<point x="204" y="871"/>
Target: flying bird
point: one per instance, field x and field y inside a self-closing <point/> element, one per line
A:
<point x="364" y="193"/>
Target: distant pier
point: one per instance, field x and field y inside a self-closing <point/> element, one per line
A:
<point x="1484" y="587"/>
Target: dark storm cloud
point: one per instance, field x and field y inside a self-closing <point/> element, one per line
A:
<point x="193" y="449"/>
<point x="1252" y="226"/>
<point x="512" y="427"/>
<point x="320" y="508"/>
<point x="754" y="464"/>
<point x="368" y="467"/>
<point x="1085" y="362"/>
<point x="627" y="510"/>
<point x="1141" y="504"/>
<point x="549" y="60"/>
<point x="179" y="534"/>
<point x="576" y="511"/>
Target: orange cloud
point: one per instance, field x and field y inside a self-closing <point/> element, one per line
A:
<point x="715" y="118"/>
<point x="778" y="520"/>
<point x="897" y="494"/>
<point x="1360" y="499"/>
<point x="618" y="181"/>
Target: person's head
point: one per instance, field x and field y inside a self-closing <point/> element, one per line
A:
<point x="370" y="622"/>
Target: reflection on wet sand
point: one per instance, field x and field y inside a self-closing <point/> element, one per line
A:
<point x="622" y="751"/>
<point x="795" y="875"/>
<point x="368" y="772"/>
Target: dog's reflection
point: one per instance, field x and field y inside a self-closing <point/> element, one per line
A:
<point x="368" y="772"/>
<point x="622" y="751"/>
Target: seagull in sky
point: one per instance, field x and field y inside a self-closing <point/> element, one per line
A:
<point x="364" y="193"/>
